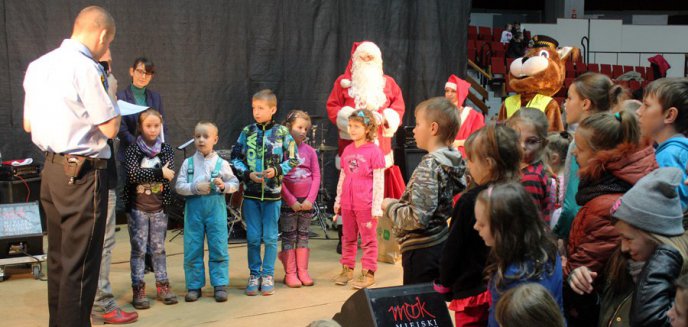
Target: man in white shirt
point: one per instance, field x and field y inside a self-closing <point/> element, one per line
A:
<point x="70" y="116"/>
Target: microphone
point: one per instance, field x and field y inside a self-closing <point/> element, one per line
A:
<point x="183" y="146"/>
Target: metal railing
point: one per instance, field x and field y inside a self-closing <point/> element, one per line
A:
<point x="639" y="53"/>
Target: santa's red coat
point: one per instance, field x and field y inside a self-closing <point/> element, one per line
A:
<point x="474" y="121"/>
<point x="340" y="97"/>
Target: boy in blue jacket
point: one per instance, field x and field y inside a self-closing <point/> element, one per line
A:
<point x="263" y="154"/>
<point x="663" y="119"/>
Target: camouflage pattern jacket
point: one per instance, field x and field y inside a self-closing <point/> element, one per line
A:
<point x="420" y="216"/>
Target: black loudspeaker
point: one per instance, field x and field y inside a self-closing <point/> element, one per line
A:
<point x="407" y="160"/>
<point x="18" y="191"/>
<point x="401" y="306"/>
<point x="406" y="155"/>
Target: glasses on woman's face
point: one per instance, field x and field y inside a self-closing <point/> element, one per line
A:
<point x="144" y="73"/>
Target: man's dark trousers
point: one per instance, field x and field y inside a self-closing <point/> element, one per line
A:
<point x="76" y="215"/>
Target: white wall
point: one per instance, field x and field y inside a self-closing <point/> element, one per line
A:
<point x="650" y="19"/>
<point x="567" y="31"/>
<point x="613" y="36"/>
<point x="482" y="19"/>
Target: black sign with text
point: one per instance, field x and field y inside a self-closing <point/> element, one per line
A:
<point x="401" y="306"/>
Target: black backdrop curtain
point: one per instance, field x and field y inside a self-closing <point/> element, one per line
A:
<point x="211" y="56"/>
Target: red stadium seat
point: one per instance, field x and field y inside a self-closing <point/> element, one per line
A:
<point x="483" y="49"/>
<point x="484" y="33"/>
<point x="606" y="69"/>
<point x="650" y="73"/>
<point x="565" y="87"/>
<point x="594" y="68"/>
<point x="508" y="63"/>
<point x="498" y="49"/>
<point x="497" y="34"/>
<point x="568" y="82"/>
<point x="580" y="68"/>
<point x="472" y="54"/>
<point x="570" y="70"/>
<point x="633" y="85"/>
<point x="472" y="32"/>
<point x="497" y="66"/>
<point x="617" y="71"/>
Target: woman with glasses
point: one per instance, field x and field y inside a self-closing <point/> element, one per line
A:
<point x="141" y="73"/>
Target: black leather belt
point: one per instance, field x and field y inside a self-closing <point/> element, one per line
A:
<point x="61" y="159"/>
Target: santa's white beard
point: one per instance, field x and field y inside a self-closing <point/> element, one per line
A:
<point x="368" y="85"/>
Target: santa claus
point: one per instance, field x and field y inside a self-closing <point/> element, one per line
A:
<point x="364" y="86"/>
<point x="456" y="90"/>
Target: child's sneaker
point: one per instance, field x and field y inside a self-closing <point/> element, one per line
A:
<point x="345" y="276"/>
<point x="192" y="295"/>
<point x="140" y="301"/>
<point x="165" y="294"/>
<point x="268" y="285"/>
<point x="253" y="284"/>
<point x="220" y="293"/>
<point x="366" y="279"/>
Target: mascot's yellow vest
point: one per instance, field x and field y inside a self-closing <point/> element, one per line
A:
<point x="513" y="103"/>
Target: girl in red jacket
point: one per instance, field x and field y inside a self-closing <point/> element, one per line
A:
<point x="611" y="159"/>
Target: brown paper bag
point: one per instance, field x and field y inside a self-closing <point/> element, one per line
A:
<point x="388" y="248"/>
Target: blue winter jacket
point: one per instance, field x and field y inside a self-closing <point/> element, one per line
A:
<point x="260" y="147"/>
<point x="674" y="153"/>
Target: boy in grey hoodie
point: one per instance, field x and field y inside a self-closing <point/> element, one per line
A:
<point x="420" y="216"/>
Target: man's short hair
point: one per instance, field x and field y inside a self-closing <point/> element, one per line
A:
<point x="266" y="95"/>
<point x="94" y="18"/>
<point x="441" y="111"/>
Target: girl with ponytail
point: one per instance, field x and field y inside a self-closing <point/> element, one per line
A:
<point x="611" y="159"/>
<point x="590" y="93"/>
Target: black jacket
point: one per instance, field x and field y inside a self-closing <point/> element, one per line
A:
<point x="465" y="253"/>
<point x="655" y="291"/>
<point x="652" y="296"/>
<point x="136" y="175"/>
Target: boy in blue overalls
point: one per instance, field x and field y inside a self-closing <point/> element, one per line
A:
<point x="203" y="179"/>
<point x="264" y="153"/>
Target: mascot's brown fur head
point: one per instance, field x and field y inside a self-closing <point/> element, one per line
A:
<point x="542" y="70"/>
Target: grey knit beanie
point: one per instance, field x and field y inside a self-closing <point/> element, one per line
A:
<point x="652" y="205"/>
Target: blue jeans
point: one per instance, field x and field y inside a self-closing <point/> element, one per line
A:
<point x="206" y="215"/>
<point x="262" y="219"/>
<point x="105" y="301"/>
<point x="147" y="230"/>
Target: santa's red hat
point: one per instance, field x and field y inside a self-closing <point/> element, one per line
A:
<point x="368" y="47"/>
<point x="460" y="86"/>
